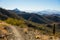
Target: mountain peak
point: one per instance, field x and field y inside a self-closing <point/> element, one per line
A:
<point x="16" y="9"/>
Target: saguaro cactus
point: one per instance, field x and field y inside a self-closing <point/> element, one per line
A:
<point x="54" y="29"/>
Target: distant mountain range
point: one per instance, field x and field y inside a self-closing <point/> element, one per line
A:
<point x="44" y="12"/>
<point x="42" y="16"/>
<point x="38" y="17"/>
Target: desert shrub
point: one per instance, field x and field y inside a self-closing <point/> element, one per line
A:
<point x="37" y="37"/>
<point x="58" y="25"/>
<point x="15" y="22"/>
<point x="48" y="25"/>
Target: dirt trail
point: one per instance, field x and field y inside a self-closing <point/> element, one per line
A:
<point x="15" y="31"/>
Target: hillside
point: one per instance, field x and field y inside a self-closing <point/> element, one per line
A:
<point x="41" y="17"/>
<point x="11" y="32"/>
<point x="4" y="14"/>
<point x="22" y="29"/>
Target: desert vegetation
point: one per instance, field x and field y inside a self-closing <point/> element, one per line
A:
<point x="28" y="29"/>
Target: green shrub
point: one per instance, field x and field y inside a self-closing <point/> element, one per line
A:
<point x="15" y="22"/>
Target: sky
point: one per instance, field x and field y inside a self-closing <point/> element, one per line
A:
<point x="31" y="5"/>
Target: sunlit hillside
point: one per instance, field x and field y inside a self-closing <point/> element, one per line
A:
<point x="16" y="27"/>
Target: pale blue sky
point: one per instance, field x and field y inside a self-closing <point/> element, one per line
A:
<point x="31" y="5"/>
